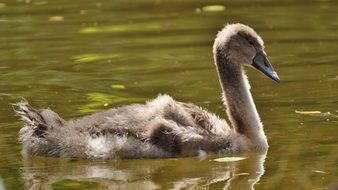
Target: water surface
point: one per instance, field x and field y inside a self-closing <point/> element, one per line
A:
<point x="78" y="57"/>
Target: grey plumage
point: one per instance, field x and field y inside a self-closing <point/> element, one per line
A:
<point x="162" y="127"/>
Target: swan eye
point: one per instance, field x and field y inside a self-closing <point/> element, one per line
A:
<point x="251" y="43"/>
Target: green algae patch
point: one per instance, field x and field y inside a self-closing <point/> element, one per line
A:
<point x="99" y="101"/>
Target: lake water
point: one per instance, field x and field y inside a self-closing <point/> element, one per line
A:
<point x="78" y="57"/>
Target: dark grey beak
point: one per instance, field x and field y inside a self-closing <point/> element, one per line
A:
<point x="261" y="63"/>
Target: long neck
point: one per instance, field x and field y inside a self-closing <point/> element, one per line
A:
<point x="240" y="107"/>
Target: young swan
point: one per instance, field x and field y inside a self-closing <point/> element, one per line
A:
<point x="162" y="127"/>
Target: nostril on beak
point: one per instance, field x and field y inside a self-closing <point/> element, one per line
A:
<point x="267" y="65"/>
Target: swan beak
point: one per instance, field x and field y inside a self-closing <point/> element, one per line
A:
<point x="261" y="63"/>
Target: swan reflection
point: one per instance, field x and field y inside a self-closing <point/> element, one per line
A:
<point x="2" y="185"/>
<point x="183" y="173"/>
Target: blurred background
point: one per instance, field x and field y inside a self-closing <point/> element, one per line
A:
<point x="78" y="57"/>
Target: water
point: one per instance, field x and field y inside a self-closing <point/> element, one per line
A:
<point x="78" y="57"/>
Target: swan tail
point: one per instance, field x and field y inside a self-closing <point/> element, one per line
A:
<point x="32" y="118"/>
<point x="36" y="135"/>
<point x="37" y="123"/>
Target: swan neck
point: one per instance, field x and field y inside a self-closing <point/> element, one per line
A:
<point x="237" y="98"/>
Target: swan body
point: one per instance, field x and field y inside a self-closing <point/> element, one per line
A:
<point x="162" y="127"/>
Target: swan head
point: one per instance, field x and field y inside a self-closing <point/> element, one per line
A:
<point x="240" y="44"/>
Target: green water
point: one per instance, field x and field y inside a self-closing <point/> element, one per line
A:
<point x="78" y="57"/>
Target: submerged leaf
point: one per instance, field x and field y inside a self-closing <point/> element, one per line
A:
<point x="229" y="159"/>
<point x="56" y="18"/>
<point x="241" y="174"/>
<point x="89" y="30"/>
<point x="213" y="8"/>
<point x="121" y="28"/>
<point x="118" y="86"/>
<point x="73" y="184"/>
<point x="317" y="114"/>
<point x="83" y="58"/>
<point x="319" y="171"/>
<point x="308" y="112"/>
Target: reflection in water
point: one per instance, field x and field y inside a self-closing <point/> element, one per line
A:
<point x="2" y="185"/>
<point x="176" y="60"/>
<point x="187" y="173"/>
